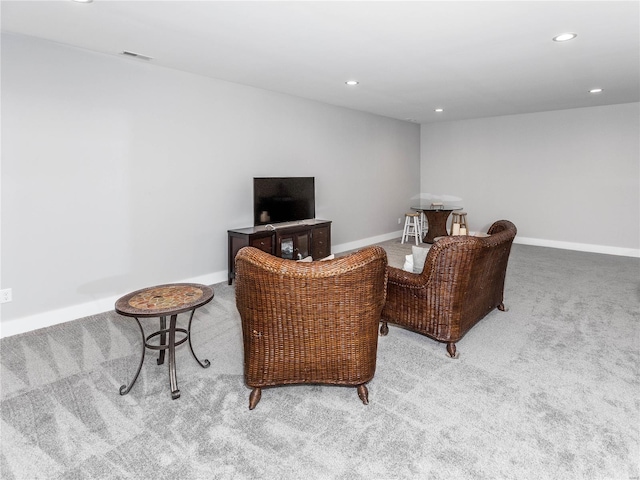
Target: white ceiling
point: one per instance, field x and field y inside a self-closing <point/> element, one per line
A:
<point x="474" y="59"/>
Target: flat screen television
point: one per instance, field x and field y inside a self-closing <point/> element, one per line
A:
<point x="283" y="199"/>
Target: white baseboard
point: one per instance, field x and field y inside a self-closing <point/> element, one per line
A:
<point x="580" y="247"/>
<point x="62" y="315"/>
<point x="538" y="242"/>
<point x="345" y="247"/>
<point x="74" y="312"/>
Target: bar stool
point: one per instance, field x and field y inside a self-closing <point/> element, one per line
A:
<point x="412" y="227"/>
<point x="461" y="219"/>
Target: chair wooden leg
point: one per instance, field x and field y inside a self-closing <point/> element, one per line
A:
<point x="254" y="398"/>
<point x="451" y="350"/>
<point x="363" y="393"/>
<point x="501" y="307"/>
<point x="384" y="329"/>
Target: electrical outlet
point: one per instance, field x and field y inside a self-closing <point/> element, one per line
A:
<point x="399" y="220"/>
<point x="5" y="295"/>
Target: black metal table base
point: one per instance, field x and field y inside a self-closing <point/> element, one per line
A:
<point x="162" y="346"/>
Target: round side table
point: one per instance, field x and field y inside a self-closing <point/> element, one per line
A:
<point x="162" y="301"/>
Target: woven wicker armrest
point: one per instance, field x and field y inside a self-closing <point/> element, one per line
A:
<point x="397" y="276"/>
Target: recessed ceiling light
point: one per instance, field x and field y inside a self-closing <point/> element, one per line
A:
<point x="352" y="82"/>
<point x="439" y="110"/>
<point x="563" y="37"/>
<point x="83" y="1"/>
<point x="595" y="90"/>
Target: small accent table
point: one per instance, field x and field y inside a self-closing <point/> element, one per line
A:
<point x="162" y="301"/>
<point x="436" y="220"/>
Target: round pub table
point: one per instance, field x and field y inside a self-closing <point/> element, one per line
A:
<point x="437" y="216"/>
<point x="162" y="301"/>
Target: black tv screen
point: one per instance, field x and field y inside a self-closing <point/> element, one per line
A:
<point x="283" y="199"/>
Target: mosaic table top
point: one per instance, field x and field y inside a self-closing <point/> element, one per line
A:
<point x="164" y="300"/>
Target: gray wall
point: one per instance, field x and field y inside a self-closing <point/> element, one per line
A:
<point x="567" y="178"/>
<point x="118" y="174"/>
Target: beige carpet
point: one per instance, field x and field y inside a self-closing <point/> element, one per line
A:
<point x="547" y="390"/>
<point x="396" y="251"/>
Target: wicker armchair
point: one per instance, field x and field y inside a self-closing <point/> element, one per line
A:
<point x="462" y="281"/>
<point x="310" y="322"/>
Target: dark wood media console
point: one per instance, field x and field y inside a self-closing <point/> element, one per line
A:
<point x="293" y="240"/>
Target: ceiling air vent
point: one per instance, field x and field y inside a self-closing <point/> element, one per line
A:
<point x="140" y="56"/>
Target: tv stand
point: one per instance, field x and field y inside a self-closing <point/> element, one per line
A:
<point x="292" y="240"/>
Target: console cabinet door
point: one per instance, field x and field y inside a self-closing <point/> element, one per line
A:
<point x="303" y="244"/>
<point x="293" y="244"/>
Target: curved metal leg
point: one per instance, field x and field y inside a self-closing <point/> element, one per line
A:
<point x="206" y="362"/>
<point x="254" y="398"/>
<point x="124" y="389"/>
<point x="384" y="329"/>
<point x="163" y="339"/>
<point x="363" y="393"/>
<point x="173" y="378"/>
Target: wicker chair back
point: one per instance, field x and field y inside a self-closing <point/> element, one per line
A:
<point x="310" y="322"/>
<point x="462" y="281"/>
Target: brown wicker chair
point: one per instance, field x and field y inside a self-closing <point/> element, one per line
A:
<point x="462" y="281"/>
<point x="310" y="322"/>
